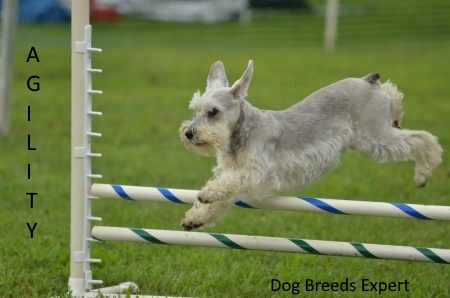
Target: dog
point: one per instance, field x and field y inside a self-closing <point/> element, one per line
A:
<point x="261" y="152"/>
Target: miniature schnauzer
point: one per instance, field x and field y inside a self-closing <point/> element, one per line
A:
<point x="261" y="152"/>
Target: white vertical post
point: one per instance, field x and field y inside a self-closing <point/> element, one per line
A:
<point x="9" y="20"/>
<point x="78" y="281"/>
<point x="331" y="24"/>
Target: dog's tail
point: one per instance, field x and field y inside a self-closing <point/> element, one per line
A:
<point x="372" y="78"/>
<point x="396" y="97"/>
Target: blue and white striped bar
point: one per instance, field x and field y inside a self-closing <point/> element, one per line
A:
<point x="310" y="204"/>
<point x="278" y="244"/>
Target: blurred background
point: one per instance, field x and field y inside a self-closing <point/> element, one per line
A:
<point x="156" y="54"/>
<point x="218" y="23"/>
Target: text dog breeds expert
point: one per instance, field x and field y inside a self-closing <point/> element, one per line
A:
<point x="261" y="152"/>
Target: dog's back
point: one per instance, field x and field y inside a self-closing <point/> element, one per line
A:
<point x="352" y="102"/>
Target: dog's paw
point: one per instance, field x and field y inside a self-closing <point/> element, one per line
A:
<point x="194" y="219"/>
<point x="421" y="176"/>
<point x="203" y="199"/>
<point x="421" y="181"/>
<point x="208" y="195"/>
<point x="189" y="225"/>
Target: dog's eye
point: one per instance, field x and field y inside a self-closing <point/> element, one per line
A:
<point x="213" y="112"/>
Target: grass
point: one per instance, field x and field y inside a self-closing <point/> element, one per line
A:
<point x="150" y="72"/>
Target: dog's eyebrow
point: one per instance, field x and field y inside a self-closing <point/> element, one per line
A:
<point x="194" y="103"/>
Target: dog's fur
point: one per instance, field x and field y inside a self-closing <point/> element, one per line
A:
<point x="260" y="152"/>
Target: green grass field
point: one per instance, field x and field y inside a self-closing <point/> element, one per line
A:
<point x="150" y="73"/>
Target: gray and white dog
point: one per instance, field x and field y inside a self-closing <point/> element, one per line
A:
<point x="261" y="152"/>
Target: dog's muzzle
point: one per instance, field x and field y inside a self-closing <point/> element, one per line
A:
<point x="189" y="134"/>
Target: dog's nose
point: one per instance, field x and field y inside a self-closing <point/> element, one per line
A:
<point x="189" y="135"/>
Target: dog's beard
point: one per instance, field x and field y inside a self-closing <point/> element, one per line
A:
<point x="203" y="149"/>
<point x="197" y="146"/>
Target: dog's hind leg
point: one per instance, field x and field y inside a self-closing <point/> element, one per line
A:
<point x="402" y="144"/>
<point x="377" y="132"/>
<point x="202" y="214"/>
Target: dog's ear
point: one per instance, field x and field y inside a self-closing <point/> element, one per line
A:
<point x="217" y="76"/>
<point x="240" y="87"/>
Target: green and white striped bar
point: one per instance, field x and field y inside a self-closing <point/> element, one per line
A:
<point x="304" y="246"/>
<point x="310" y="204"/>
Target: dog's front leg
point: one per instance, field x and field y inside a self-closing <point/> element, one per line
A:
<point x="213" y="201"/>
<point x="221" y="188"/>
